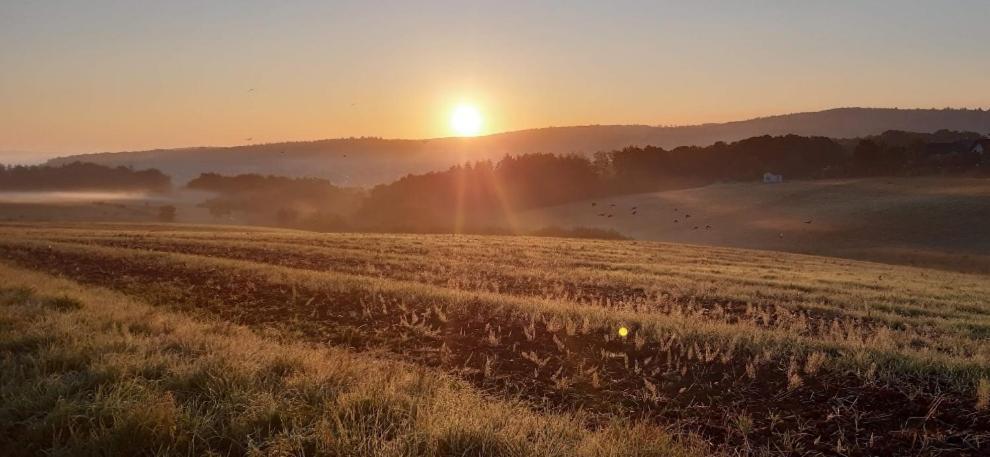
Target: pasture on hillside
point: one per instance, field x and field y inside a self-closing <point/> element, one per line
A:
<point x="876" y="219"/>
<point x="743" y="351"/>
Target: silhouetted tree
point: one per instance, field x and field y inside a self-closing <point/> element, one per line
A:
<point x="638" y="169"/>
<point x="82" y="176"/>
<point x="287" y="202"/>
<point x="868" y="155"/>
<point x="466" y="195"/>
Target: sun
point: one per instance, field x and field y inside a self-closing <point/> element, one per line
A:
<point x="466" y="120"/>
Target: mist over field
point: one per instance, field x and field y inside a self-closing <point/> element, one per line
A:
<point x="56" y="197"/>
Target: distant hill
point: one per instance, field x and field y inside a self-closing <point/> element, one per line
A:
<point x="370" y="161"/>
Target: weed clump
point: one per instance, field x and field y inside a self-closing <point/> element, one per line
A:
<point x="63" y="303"/>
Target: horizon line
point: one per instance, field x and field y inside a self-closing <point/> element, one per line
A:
<point x="60" y="155"/>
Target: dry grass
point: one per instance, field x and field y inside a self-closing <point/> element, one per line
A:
<point x="91" y="372"/>
<point x="758" y="352"/>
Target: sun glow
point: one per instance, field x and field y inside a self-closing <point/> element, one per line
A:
<point x="466" y="120"/>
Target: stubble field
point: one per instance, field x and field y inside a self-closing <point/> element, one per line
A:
<point x="736" y="351"/>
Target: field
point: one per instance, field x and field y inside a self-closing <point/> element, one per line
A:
<point x="92" y="372"/>
<point x="599" y="347"/>
<point x="121" y="207"/>
<point x="874" y="219"/>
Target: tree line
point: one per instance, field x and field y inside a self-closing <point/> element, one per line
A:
<point x="479" y="195"/>
<point x="479" y="192"/>
<point x="909" y="153"/>
<point x="80" y="176"/>
<point x="306" y="203"/>
<point x="473" y="195"/>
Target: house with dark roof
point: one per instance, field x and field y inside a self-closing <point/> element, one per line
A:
<point x="964" y="153"/>
<point x="981" y="147"/>
<point x="771" y="178"/>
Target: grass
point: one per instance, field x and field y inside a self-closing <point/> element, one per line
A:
<point x="876" y="219"/>
<point x="91" y="372"/>
<point x="755" y="352"/>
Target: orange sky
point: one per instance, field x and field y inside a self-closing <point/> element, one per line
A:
<point x="118" y="75"/>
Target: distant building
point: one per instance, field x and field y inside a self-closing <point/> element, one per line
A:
<point x="957" y="154"/>
<point x="770" y="178"/>
<point x="981" y="147"/>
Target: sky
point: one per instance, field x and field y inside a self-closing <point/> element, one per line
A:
<point x="98" y="75"/>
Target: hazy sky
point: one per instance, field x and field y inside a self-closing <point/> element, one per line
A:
<point x="111" y="75"/>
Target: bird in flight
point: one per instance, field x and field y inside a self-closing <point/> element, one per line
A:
<point x="807" y="221"/>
